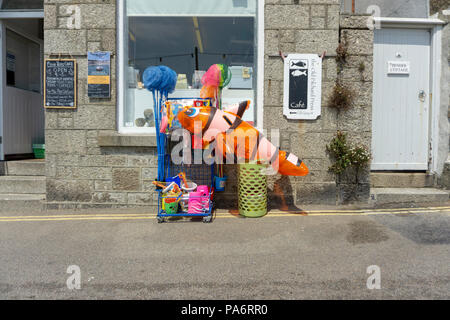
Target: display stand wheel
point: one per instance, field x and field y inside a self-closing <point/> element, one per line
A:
<point x="160" y="219"/>
<point x="207" y="219"/>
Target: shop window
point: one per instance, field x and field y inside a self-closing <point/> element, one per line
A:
<point x="23" y="62"/>
<point x="188" y="36"/>
<point x="22" y="4"/>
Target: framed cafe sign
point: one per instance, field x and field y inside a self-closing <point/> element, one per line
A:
<point x="302" y="86"/>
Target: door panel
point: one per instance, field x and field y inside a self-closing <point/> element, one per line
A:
<point x="400" y="119"/>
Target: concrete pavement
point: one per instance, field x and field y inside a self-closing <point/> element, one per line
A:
<point x="320" y="254"/>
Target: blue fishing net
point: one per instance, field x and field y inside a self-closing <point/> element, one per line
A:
<point x="152" y="78"/>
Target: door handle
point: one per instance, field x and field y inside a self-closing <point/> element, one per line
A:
<point x="422" y="95"/>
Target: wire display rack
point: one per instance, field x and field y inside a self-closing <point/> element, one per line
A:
<point x="190" y="205"/>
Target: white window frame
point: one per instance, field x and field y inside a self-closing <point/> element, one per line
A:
<point x="121" y="90"/>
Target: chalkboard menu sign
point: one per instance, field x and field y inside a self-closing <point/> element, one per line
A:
<point x="60" y="83"/>
<point x="302" y="86"/>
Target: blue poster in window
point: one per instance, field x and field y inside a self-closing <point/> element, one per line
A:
<point x="99" y="75"/>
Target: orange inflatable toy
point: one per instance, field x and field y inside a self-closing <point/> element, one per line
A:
<point x="237" y="138"/>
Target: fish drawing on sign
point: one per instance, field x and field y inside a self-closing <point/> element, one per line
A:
<point x="298" y="73"/>
<point x="298" y="64"/>
<point x="236" y="137"/>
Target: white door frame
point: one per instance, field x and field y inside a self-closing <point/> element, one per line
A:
<point x="121" y="67"/>
<point x="3" y="26"/>
<point x="435" y="27"/>
<point x="2" y="83"/>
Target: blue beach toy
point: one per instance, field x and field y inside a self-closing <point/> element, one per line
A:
<point x="160" y="80"/>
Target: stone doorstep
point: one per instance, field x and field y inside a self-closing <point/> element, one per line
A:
<point x="22" y="185"/>
<point x="401" y="180"/>
<point x="34" y="167"/>
<point x="380" y="196"/>
<point x="21" y="203"/>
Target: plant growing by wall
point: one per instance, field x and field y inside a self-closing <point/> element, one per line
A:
<point x="341" y="98"/>
<point x="346" y="156"/>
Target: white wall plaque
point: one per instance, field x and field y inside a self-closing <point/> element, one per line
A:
<point x="398" y="67"/>
<point x="302" y="86"/>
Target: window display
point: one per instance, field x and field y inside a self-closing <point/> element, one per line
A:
<point x="189" y="37"/>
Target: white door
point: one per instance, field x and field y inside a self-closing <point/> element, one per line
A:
<point x="22" y="109"/>
<point x="401" y="93"/>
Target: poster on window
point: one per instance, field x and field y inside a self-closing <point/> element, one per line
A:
<point x="10" y="69"/>
<point x="99" y="75"/>
<point x="302" y="86"/>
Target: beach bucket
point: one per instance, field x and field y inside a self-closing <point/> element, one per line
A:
<point x="190" y="187"/>
<point x="196" y="205"/>
<point x="184" y="203"/>
<point x="175" y="179"/>
<point x="171" y="205"/>
<point x="220" y="183"/>
<point x="204" y="190"/>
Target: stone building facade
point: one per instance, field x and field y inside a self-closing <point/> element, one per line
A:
<point x="88" y="164"/>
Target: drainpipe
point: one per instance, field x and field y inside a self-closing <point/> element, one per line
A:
<point x="353" y="6"/>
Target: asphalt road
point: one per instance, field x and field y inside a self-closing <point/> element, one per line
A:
<point x="315" y="256"/>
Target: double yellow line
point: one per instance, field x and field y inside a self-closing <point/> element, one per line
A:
<point x="225" y="215"/>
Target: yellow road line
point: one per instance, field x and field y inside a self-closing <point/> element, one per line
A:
<point x="282" y="213"/>
<point x="105" y="217"/>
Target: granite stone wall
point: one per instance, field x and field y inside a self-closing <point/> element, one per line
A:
<point x="315" y="26"/>
<point x="90" y="165"/>
<point x="80" y="171"/>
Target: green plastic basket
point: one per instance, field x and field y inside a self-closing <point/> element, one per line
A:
<point x="252" y="189"/>
<point x="39" y="151"/>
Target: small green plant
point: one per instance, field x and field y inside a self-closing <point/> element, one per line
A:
<point x="341" y="97"/>
<point x="362" y="67"/>
<point x="346" y="156"/>
<point x="342" y="53"/>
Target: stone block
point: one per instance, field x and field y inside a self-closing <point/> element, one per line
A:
<point x="274" y="69"/>
<point x="149" y="173"/>
<point x="273" y="92"/>
<point x="354" y="21"/>
<point x="286" y="16"/>
<point x="116" y="160"/>
<point x="71" y="42"/>
<point x="359" y="42"/>
<point x="318" y="23"/>
<point x="141" y="198"/>
<point x="271" y="42"/>
<point x="92" y="160"/>
<point x="333" y="17"/>
<point x="69" y="190"/>
<point x="89" y="173"/>
<point x="318" y="11"/>
<point x="65" y="141"/>
<point x="95" y="117"/>
<point x="316" y="193"/>
<point x="94" y="16"/>
<point x="126" y="179"/>
<point x="109" y="197"/>
<point x="50" y="21"/>
<point x="139" y="161"/>
<point x="103" y="185"/>
<point x="353" y="193"/>
<point x="317" y="41"/>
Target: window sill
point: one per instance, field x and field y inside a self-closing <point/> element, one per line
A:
<point x="126" y="140"/>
